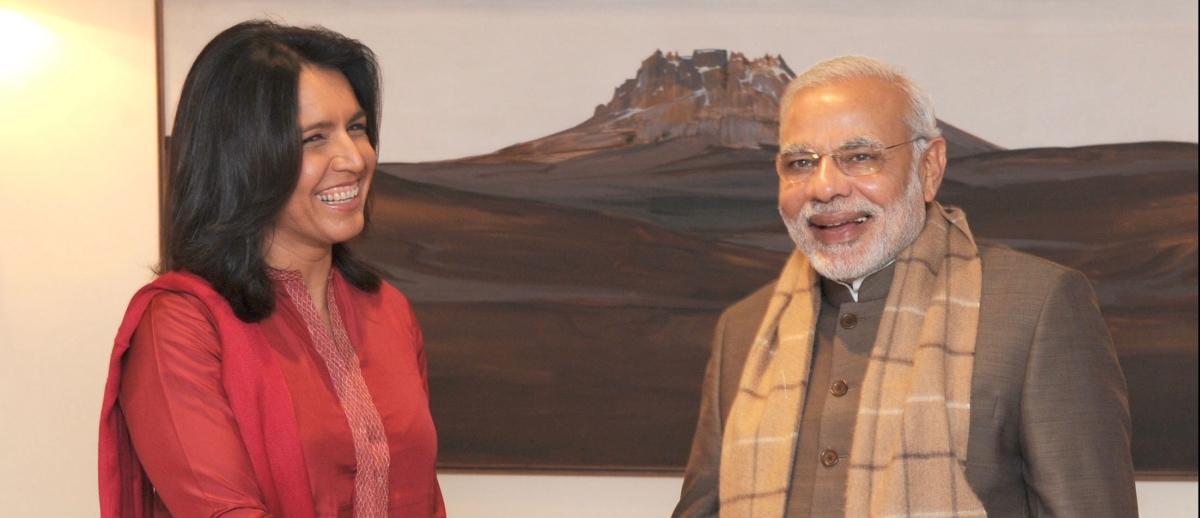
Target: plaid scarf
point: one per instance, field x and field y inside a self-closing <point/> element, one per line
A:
<point x="909" y="448"/>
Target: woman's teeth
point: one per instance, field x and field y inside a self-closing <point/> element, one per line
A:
<point x="338" y="195"/>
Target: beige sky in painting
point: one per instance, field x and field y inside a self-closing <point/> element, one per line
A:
<point x="469" y="77"/>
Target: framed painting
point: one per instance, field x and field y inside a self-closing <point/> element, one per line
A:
<point x="573" y="192"/>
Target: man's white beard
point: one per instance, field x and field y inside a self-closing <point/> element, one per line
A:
<point x="896" y="227"/>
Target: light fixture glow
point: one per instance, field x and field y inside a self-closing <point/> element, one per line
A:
<point x="23" y="46"/>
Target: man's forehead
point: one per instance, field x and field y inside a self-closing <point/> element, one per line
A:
<point x="845" y="114"/>
<point x="869" y="89"/>
<point x="847" y="94"/>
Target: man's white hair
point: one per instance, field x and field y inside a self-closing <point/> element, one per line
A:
<point x="920" y="119"/>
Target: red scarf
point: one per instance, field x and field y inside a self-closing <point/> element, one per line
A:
<point x="258" y="396"/>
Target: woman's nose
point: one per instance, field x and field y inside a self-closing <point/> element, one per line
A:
<point x="348" y="155"/>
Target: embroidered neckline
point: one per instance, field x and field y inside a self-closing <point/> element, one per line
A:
<point x="276" y="274"/>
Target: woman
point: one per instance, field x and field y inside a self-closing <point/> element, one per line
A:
<point x="269" y="372"/>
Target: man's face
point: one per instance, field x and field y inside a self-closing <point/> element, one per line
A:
<point x="852" y="226"/>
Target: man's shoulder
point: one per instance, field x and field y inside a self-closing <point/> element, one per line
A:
<point x="751" y="306"/>
<point x="1018" y="279"/>
<point x="1003" y="263"/>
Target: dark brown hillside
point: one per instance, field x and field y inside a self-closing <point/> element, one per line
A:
<point x="426" y="236"/>
<point x="556" y="330"/>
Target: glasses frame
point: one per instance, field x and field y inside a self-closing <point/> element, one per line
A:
<point x="818" y="157"/>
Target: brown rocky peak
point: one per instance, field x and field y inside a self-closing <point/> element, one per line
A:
<point x="720" y="96"/>
<point x="711" y="91"/>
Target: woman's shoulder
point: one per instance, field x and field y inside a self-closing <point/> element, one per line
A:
<point x="387" y="300"/>
<point x="395" y="302"/>
<point x="178" y="308"/>
<point x="182" y="282"/>
<point x="182" y="295"/>
<point x="178" y="300"/>
<point x="391" y="295"/>
<point x="193" y="286"/>
<point x="173" y="317"/>
<point x="177" y="320"/>
<point x="385" y="296"/>
<point x="176" y="305"/>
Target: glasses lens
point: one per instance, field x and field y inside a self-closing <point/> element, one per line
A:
<point x="796" y="167"/>
<point x="860" y="162"/>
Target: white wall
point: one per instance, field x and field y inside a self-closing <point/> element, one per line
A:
<point x="77" y="133"/>
<point x="78" y="231"/>
<point x="542" y="496"/>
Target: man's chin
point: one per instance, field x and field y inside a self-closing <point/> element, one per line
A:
<point x="843" y="262"/>
<point x="839" y="261"/>
<point x="836" y="269"/>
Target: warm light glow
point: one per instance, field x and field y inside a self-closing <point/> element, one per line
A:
<point x="24" y="46"/>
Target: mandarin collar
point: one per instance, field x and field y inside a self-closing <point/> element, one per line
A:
<point x="874" y="287"/>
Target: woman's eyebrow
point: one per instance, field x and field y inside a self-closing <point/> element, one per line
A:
<point x="317" y="125"/>
<point x="326" y="124"/>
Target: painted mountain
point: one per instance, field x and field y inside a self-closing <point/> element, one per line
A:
<point x="568" y="286"/>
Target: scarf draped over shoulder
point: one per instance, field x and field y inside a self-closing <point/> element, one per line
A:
<point x="908" y="452"/>
<point x="258" y="397"/>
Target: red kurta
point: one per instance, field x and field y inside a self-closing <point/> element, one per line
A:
<point x="186" y="435"/>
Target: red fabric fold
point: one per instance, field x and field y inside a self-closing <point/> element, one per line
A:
<point x="258" y="397"/>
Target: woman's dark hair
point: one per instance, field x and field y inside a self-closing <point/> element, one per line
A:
<point x="235" y="154"/>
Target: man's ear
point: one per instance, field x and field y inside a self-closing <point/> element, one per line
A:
<point x="933" y="168"/>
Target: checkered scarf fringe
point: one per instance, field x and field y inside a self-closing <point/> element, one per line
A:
<point x="908" y="453"/>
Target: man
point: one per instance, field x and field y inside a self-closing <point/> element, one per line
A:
<point x="897" y="367"/>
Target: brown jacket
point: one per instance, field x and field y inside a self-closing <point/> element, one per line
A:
<point x="1050" y="425"/>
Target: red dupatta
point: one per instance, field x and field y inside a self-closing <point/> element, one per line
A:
<point x="258" y="397"/>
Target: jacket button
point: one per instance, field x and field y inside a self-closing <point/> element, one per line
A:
<point x="849" y="320"/>
<point x="839" y="388"/>
<point x="829" y="458"/>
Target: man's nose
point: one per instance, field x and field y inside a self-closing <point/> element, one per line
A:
<point x="828" y="182"/>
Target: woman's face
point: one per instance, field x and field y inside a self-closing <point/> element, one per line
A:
<point x="336" y="171"/>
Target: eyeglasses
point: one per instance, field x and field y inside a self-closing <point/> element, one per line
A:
<point x="798" y="167"/>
